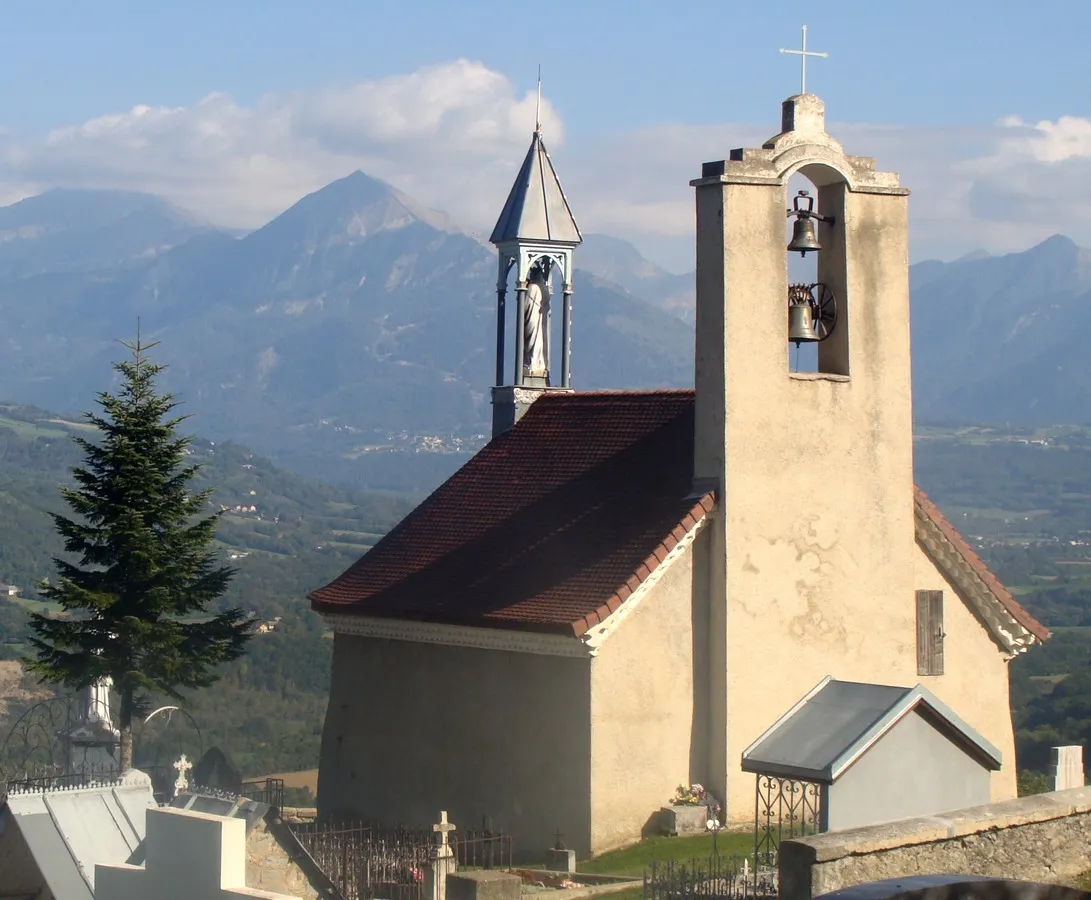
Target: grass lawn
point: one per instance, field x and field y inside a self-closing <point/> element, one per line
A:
<point x="635" y="859"/>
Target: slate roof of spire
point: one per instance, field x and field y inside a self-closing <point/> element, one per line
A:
<point x="536" y="209"/>
<point x="555" y="523"/>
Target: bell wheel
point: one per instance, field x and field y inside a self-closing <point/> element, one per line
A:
<point x="825" y="310"/>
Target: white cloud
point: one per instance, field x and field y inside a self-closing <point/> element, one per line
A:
<point x="442" y="134"/>
<point x="453" y="135"/>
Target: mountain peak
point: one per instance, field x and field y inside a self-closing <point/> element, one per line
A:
<point x="1057" y="244"/>
<point x="357" y="206"/>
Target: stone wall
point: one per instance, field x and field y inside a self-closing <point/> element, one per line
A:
<point x="1046" y="837"/>
<point x="271" y="867"/>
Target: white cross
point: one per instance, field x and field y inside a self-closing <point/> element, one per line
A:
<point x="183" y="766"/>
<point x="443" y="828"/>
<point x="803" y="54"/>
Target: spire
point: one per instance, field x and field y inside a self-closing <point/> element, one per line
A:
<point x="535" y="236"/>
<point x="537" y="209"/>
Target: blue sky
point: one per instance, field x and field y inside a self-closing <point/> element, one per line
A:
<point x="607" y="64"/>
<point x="942" y="74"/>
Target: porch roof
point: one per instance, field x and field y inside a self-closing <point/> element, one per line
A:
<point x="838" y="721"/>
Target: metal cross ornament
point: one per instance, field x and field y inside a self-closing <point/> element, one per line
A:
<point x="803" y="54"/>
<point x="183" y="765"/>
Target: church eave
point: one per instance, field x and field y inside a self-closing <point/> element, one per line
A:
<point x="581" y="638"/>
<point x="598" y="625"/>
<point x="1011" y="627"/>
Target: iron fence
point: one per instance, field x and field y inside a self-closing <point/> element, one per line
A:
<point x="717" y="878"/>
<point x="53" y="778"/>
<point x="783" y="809"/>
<point x="366" y="862"/>
<point x="482" y="849"/>
<point x="265" y="790"/>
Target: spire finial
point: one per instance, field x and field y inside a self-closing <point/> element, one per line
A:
<point x="538" y="105"/>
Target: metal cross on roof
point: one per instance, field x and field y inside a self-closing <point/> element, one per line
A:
<point x="803" y="54"/>
<point x="444" y="828"/>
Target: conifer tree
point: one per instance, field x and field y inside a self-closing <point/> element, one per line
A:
<point x="137" y="599"/>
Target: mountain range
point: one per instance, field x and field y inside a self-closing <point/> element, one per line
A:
<point x="351" y="337"/>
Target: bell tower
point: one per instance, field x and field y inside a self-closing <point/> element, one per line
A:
<point x="807" y="569"/>
<point x="534" y="236"/>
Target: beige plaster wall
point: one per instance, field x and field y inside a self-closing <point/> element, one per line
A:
<point x="642" y="711"/>
<point x="1046" y="837"/>
<point x="975" y="673"/>
<point x="819" y="532"/>
<point x="413" y="728"/>
<point x="817" y="545"/>
<point x="19" y="874"/>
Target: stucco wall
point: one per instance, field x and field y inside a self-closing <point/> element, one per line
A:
<point x="914" y="770"/>
<point x="642" y="721"/>
<point x="975" y="679"/>
<point x="1041" y="838"/>
<point x="19" y="873"/>
<point x="413" y="728"/>
<point x="819" y="537"/>
<point x="816" y="551"/>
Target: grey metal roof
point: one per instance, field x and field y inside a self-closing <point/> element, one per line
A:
<point x="218" y="803"/>
<point x="70" y="831"/>
<point x="834" y="724"/>
<point x="536" y="209"/>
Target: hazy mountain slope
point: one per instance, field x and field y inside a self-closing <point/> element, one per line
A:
<point x="620" y="262"/>
<point x="354" y="316"/>
<point x="83" y="230"/>
<point x="999" y="338"/>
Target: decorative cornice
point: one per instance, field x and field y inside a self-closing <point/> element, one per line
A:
<point x="1004" y="628"/>
<point x="506" y="639"/>
<point x="595" y="637"/>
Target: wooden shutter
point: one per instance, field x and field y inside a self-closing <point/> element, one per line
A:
<point x="929" y="632"/>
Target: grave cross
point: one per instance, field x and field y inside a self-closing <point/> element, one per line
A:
<point x="182" y="765"/>
<point x="803" y="54"/>
<point x="444" y="828"/>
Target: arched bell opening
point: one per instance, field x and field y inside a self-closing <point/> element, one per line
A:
<point x="816" y="306"/>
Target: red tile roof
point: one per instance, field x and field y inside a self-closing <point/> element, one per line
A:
<point x="548" y="528"/>
<point x="958" y="542"/>
<point x="554" y="524"/>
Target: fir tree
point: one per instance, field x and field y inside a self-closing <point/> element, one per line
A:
<point x="136" y="600"/>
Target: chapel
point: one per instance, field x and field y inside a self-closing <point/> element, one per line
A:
<point x="623" y="591"/>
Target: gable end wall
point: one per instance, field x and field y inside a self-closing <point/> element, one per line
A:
<point x="643" y="704"/>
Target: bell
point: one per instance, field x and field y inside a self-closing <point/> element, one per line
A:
<point x="804" y="236"/>
<point x="801" y="324"/>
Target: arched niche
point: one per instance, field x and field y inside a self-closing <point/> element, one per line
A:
<point x="825" y="176"/>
